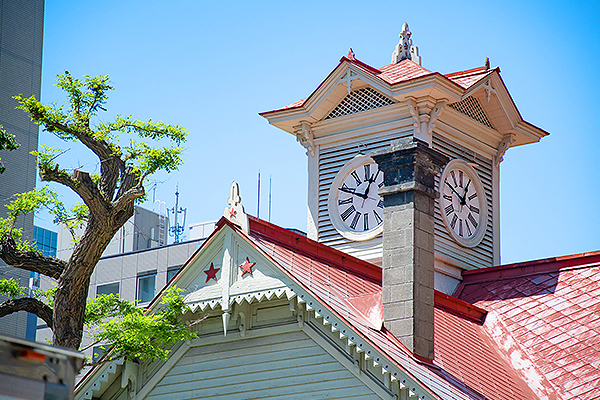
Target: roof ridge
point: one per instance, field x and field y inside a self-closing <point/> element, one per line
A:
<point x="459" y="307"/>
<point x="469" y="72"/>
<point x="534" y="267"/>
<point x="360" y="63"/>
<point x="313" y="248"/>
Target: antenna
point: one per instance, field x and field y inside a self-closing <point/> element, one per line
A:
<point x="269" y="197"/>
<point x="258" y="202"/>
<point x="176" y="230"/>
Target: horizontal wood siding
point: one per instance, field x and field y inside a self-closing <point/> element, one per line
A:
<point x="482" y="255"/>
<point x="284" y="366"/>
<point x="332" y="159"/>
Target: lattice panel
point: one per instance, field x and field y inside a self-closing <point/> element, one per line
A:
<point x="471" y="108"/>
<point x="360" y="100"/>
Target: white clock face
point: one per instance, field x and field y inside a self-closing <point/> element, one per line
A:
<point x="463" y="203"/>
<point x="355" y="208"/>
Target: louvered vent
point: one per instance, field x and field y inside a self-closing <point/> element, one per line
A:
<point x="471" y="108"/>
<point x="360" y="100"/>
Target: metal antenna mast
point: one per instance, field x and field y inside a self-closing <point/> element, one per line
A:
<point x="176" y="230"/>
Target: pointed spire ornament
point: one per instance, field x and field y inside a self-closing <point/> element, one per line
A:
<point x="235" y="211"/>
<point x="405" y="49"/>
<point x="351" y="55"/>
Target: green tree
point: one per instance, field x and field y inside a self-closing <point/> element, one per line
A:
<point x="128" y="152"/>
<point x="7" y="142"/>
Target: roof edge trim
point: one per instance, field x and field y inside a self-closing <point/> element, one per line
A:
<point x="459" y="307"/>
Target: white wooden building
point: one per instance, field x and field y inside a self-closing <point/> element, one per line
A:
<point x="397" y="292"/>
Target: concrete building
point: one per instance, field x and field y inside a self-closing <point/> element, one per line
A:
<point x="21" y="37"/>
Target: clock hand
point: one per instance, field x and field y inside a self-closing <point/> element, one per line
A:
<point x="343" y="189"/>
<point x="463" y="200"/>
<point x="451" y="188"/>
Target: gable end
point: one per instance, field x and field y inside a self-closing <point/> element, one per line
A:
<point x="360" y="100"/>
<point x="471" y="108"/>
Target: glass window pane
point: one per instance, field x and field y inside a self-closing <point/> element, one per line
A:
<point x="146" y="286"/>
<point x="98" y="352"/>
<point x="108" y="289"/>
<point x="171" y="272"/>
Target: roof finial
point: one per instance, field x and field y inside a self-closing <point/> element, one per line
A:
<point x="235" y="212"/>
<point x="351" y="55"/>
<point x="405" y="49"/>
<point x="487" y="63"/>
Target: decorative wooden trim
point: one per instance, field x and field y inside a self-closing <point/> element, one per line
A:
<point x="353" y="366"/>
<point x="305" y="136"/>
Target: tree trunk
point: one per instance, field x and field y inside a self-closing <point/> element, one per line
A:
<point x="72" y="291"/>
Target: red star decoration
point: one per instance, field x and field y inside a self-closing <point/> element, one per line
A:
<point x="232" y="213"/>
<point x="247" y="267"/>
<point x="211" y="273"/>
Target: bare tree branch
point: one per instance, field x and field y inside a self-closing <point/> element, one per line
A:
<point x="28" y="304"/>
<point x="81" y="183"/>
<point x="30" y="260"/>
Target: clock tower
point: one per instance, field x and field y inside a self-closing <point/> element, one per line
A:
<point x="468" y="117"/>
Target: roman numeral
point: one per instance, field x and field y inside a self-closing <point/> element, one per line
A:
<point x="356" y="178"/>
<point x="348" y="212"/>
<point x="460" y="178"/>
<point x="474" y="209"/>
<point x="380" y="184"/>
<point x="453" y="222"/>
<point x="380" y="204"/>
<point x="473" y="221"/>
<point x="449" y="209"/>
<point x="366" y="222"/>
<point x="453" y="175"/>
<point x="460" y="231"/>
<point x="345" y="201"/>
<point x="355" y="220"/>
<point x="469" y="233"/>
<point x="377" y="217"/>
<point x="367" y="172"/>
<point x="447" y="197"/>
<point x="471" y="197"/>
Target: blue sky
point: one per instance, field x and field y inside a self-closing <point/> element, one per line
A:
<point x="213" y="66"/>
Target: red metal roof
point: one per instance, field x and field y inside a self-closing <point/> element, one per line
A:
<point x="468" y="362"/>
<point x="469" y="77"/>
<point x="545" y="318"/>
<point x="396" y="73"/>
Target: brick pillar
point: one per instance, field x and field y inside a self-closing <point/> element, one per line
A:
<point x="409" y="168"/>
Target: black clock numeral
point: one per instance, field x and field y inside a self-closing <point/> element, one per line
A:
<point x="453" y="222"/>
<point x="366" y="222"/>
<point x="367" y="172"/>
<point x="453" y="175"/>
<point x="355" y="220"/>
<point x="356" y="178"/>
<point x="474" y="209"/>
<point x="345" y="201"/>
<point x="380" y="204"/>
<point x="473" y="221"/>
<point x="469" y="233"/>
<point x="460" y="178"/>
<point x="460" y="228"/>
<point x="377" y="217"/>
<point x="471" y="197"/>
<point x="348" y="212"/>
<point x="380" y="184"/>
<point x="447" y="197"/>
<point x="449" y="209"/>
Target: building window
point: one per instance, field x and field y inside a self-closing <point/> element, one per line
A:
<point x="146" y="284"/>
<point x="98" y="352"/>
<point x="109" y="288"/>
<point x="172" y="271"/>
